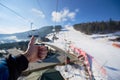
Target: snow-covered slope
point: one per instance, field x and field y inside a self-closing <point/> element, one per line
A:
<point x="105" y="54"/>
<point x="23" y="36"/>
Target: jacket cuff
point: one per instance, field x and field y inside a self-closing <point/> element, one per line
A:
<point x="22" y="62"/>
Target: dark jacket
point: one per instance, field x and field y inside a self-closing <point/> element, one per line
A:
<point x="12" y="67"/>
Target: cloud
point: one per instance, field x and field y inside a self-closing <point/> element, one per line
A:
<point x="76" y="10"/>
<point x="38" y="13"/>
<point x="63" y="15"/>
<point x="71" y="15"/>
<point x="13" y="29"/>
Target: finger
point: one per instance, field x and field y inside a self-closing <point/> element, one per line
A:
<point x="32" y="40"/>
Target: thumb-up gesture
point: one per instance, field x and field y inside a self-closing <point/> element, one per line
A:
<point x="35" y="52"/>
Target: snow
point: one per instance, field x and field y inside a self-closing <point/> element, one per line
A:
<point x="71" y="73"/>
<point x="102" y="51"/>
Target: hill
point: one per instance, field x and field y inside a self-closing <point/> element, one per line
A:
<point x="16" y="37"/>
<point x="102" y="27"/>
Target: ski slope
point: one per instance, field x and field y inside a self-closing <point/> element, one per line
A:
<point x="103" y="52"/>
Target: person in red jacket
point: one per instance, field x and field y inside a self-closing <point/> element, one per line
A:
<point x="12" y="66"/>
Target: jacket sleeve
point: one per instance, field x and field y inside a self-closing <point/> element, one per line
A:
<point x="3" y="70"/>
<point x="16" y="65"/>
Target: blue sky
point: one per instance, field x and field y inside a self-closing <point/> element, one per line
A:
<point x="43" y="13"/>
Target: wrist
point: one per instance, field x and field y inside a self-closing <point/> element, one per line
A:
<point x="27" y="56"/>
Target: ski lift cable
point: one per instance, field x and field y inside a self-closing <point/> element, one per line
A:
<point x="54" y="34"/>
<point x="56" y="12"/>
<point x="39" y="4"/>
<point x="14" y="12"/>
<point x="65" y="42"/>
<point x="65" y="55"/>
<point x="19" y="15"/>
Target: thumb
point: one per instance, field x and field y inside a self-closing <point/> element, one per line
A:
<point x="32" y="40"/>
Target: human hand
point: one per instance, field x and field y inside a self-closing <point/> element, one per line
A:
<point x="35" y="52"/>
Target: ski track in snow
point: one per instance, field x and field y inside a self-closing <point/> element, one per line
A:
<point x="103" y="52"/>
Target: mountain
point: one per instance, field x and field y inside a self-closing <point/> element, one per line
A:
<point x="23" y="36"/>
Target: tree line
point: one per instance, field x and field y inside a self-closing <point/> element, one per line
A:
<point x="19" y="45"/>
<point x="98" y="27"/>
